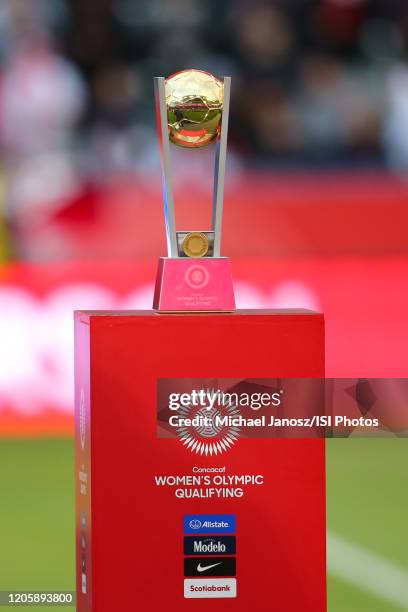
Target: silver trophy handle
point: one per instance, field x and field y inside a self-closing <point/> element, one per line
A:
<point x="219" y="170"/>
<point x="164" y="144"/>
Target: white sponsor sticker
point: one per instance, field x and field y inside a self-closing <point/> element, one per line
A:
<point x="84" y="584"/>
<point x="207" y="587"/>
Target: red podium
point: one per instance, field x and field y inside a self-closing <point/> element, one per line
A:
<point x="141" y="545"/>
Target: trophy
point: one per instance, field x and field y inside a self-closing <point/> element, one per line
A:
<point x="192" y="110"/>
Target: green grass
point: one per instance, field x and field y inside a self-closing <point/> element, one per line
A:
<point x="367" y="494"/>
<point x="367" y="500"/>
<point x="345" y="598"/>
<point x="37" y="516"/>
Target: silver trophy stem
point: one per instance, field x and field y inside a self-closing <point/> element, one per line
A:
<point x="164" y="144"/>
<point x="219" y="171"/>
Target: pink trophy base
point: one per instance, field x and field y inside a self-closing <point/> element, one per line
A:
<point x="195" y="285"/>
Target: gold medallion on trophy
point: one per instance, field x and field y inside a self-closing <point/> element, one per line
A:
<point x="195" y="244"/>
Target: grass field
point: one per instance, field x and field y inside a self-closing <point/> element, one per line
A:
<point x="37" y="516"/>
<point x="367" y="501"/>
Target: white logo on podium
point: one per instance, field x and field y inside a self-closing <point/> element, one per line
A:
<point x="197" y="276"/>
<point x="195" y="524"/>
<point x="82" y="418"/>
<point x="209" y="436"/>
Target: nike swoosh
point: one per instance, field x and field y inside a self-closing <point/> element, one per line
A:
<point x="206" y="567"/>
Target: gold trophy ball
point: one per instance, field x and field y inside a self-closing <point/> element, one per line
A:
<point x="195" y="244"/>
<point x="194" y="101"/>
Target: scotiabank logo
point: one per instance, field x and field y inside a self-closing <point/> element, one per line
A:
<point x="210" y="588"/>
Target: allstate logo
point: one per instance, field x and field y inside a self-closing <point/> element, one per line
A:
<point x="195" y="524"/>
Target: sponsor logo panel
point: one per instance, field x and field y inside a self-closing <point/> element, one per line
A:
<point x="206" y="566"/>
<point x="209" y="523"/>
<point x="209" y="545"/>
<point x="218" y="587"/>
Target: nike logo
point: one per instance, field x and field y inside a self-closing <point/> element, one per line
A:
<point x="201" y="568"/>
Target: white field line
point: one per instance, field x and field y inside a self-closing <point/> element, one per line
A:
<point x="367" y="571"/>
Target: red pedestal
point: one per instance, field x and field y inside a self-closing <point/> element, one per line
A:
<point x="130" y="532"/>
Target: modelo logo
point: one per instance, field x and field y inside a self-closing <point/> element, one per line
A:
<point x="201" y="545"/>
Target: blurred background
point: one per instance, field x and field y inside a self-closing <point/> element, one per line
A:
<point x="316" y="216"/>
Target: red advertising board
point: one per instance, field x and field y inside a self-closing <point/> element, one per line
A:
<point x="363" y="299"/>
